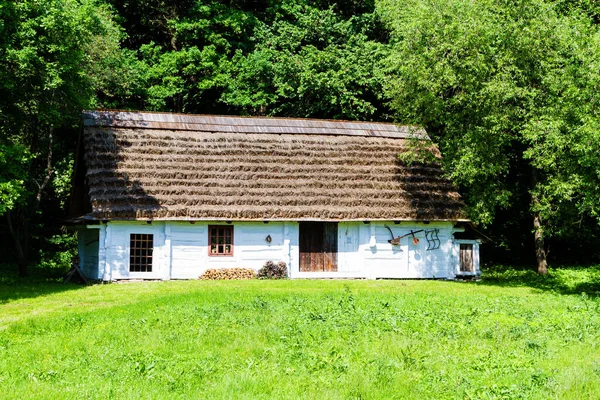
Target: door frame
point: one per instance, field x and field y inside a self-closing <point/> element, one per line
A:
<point x="318" y="246"/>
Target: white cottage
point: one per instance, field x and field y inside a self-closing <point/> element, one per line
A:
<point x="167" y="196"/>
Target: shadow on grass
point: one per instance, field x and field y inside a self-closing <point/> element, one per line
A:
<point x="561" y="280"/>
<point x="40" y="283"/>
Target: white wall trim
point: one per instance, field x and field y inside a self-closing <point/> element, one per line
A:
<point x="104" y="268"/>
<point x="181" y="250"/>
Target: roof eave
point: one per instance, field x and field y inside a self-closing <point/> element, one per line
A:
<point x="275" y="219"/>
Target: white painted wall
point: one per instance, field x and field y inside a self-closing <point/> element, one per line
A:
<point x="188" y="250"/>
<point x="181" y="250"/>
<point x="364" y="252"/>
<point x="117" y="250"/>
<point x="406" y="260"/>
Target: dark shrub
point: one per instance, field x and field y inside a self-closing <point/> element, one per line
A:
<point x="273" y="271"/>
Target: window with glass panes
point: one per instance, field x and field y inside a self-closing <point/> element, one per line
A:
<point x="141" y="246"/>
<point x="220" y="240"/>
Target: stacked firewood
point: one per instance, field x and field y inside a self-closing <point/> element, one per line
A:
<point x="228" y="273"/>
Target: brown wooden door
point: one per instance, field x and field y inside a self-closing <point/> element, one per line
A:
<point x="318" y="246"/>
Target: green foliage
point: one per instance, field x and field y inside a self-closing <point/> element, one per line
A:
<point x="56" y="253"/>
<point x="317" y="59"/>
<point x="175" y="80"/>
<point x="300" y="339"/>
<point x="287" y="58"/>
<point x="311" y="62"/>
<point x="51" y="55"/>
<point x="509" y="91"/>
<point x="44" y="55"/>
<point x="577" y="280"/>
<point x="44" y="81"/>
<point x="61" y="182"/>
<point x="176" y="52"/>
<point x="13" y="158"/>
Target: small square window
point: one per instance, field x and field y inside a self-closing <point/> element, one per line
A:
<point x="141" y="247"/>
<point x="220" y="240"/>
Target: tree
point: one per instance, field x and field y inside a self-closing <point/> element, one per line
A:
<point x="509" y="90"/>
<point x="286" y="58"/>
<point x="45" y="60"/>
<point x="313" y="61"/>
<point x="181" y="49"/>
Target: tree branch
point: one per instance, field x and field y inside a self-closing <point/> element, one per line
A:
<point x="38" y="197"/>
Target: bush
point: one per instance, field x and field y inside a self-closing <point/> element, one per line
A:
<point x="228" y="274"/>
<point x="273" y="271"/>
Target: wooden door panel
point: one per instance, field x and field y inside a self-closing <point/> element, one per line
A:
<point x="318" y="246"/>
<point x="466" y="258"/>
<point x="330" y="243"/>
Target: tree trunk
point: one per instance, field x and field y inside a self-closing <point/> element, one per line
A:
<point x="538" y="229"/>
<point x="540" y="253"/>
<point x="16" y="236"/>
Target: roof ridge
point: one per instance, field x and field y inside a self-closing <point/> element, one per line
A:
<point x="245" y="124"/>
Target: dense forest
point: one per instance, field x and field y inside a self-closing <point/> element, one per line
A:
<point x="508" y="90"/>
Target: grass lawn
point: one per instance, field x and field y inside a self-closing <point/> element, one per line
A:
<point x="511" y="336"/>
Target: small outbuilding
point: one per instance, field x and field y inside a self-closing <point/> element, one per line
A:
<point x="168" y="196"/>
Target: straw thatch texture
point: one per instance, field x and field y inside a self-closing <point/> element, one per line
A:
<point x="137" y="170"/>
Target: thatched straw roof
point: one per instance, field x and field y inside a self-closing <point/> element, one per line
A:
<point x="173" y="166"/>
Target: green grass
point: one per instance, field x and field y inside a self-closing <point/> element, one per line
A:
<point x="511" y="336"/>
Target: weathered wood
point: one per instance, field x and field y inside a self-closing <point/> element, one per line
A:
<point x="215" y="123"/>
<point x="330" y="246"/>
<point x="318" y="246"/>
<point x="75" y="271"/>
<point x="466" y="258"/>
<point x="311" y="236"/>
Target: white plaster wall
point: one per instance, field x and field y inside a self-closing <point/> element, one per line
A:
<point x="292" y="247"/>
<point x="383" y="260"/>
<point x="188" y="250"/>
<point x="349" y="260"/>
<point x="117" y="250"/>
<point x="250" y="246"/>
<point x="364" y="252"/>
<point x="439" y="261"/>
<point x="181" y="250"/>
<point x="406" y="260"/>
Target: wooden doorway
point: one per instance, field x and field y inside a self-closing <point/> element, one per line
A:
<point x="318" y="246"/>
<point x="466" y="258"/>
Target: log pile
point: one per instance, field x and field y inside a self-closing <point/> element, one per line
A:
<point x="228" y="274"/>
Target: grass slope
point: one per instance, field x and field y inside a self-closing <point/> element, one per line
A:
<point x="499" y="339"/>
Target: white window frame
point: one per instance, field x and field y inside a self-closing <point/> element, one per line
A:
<point x="476" y="269"/>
